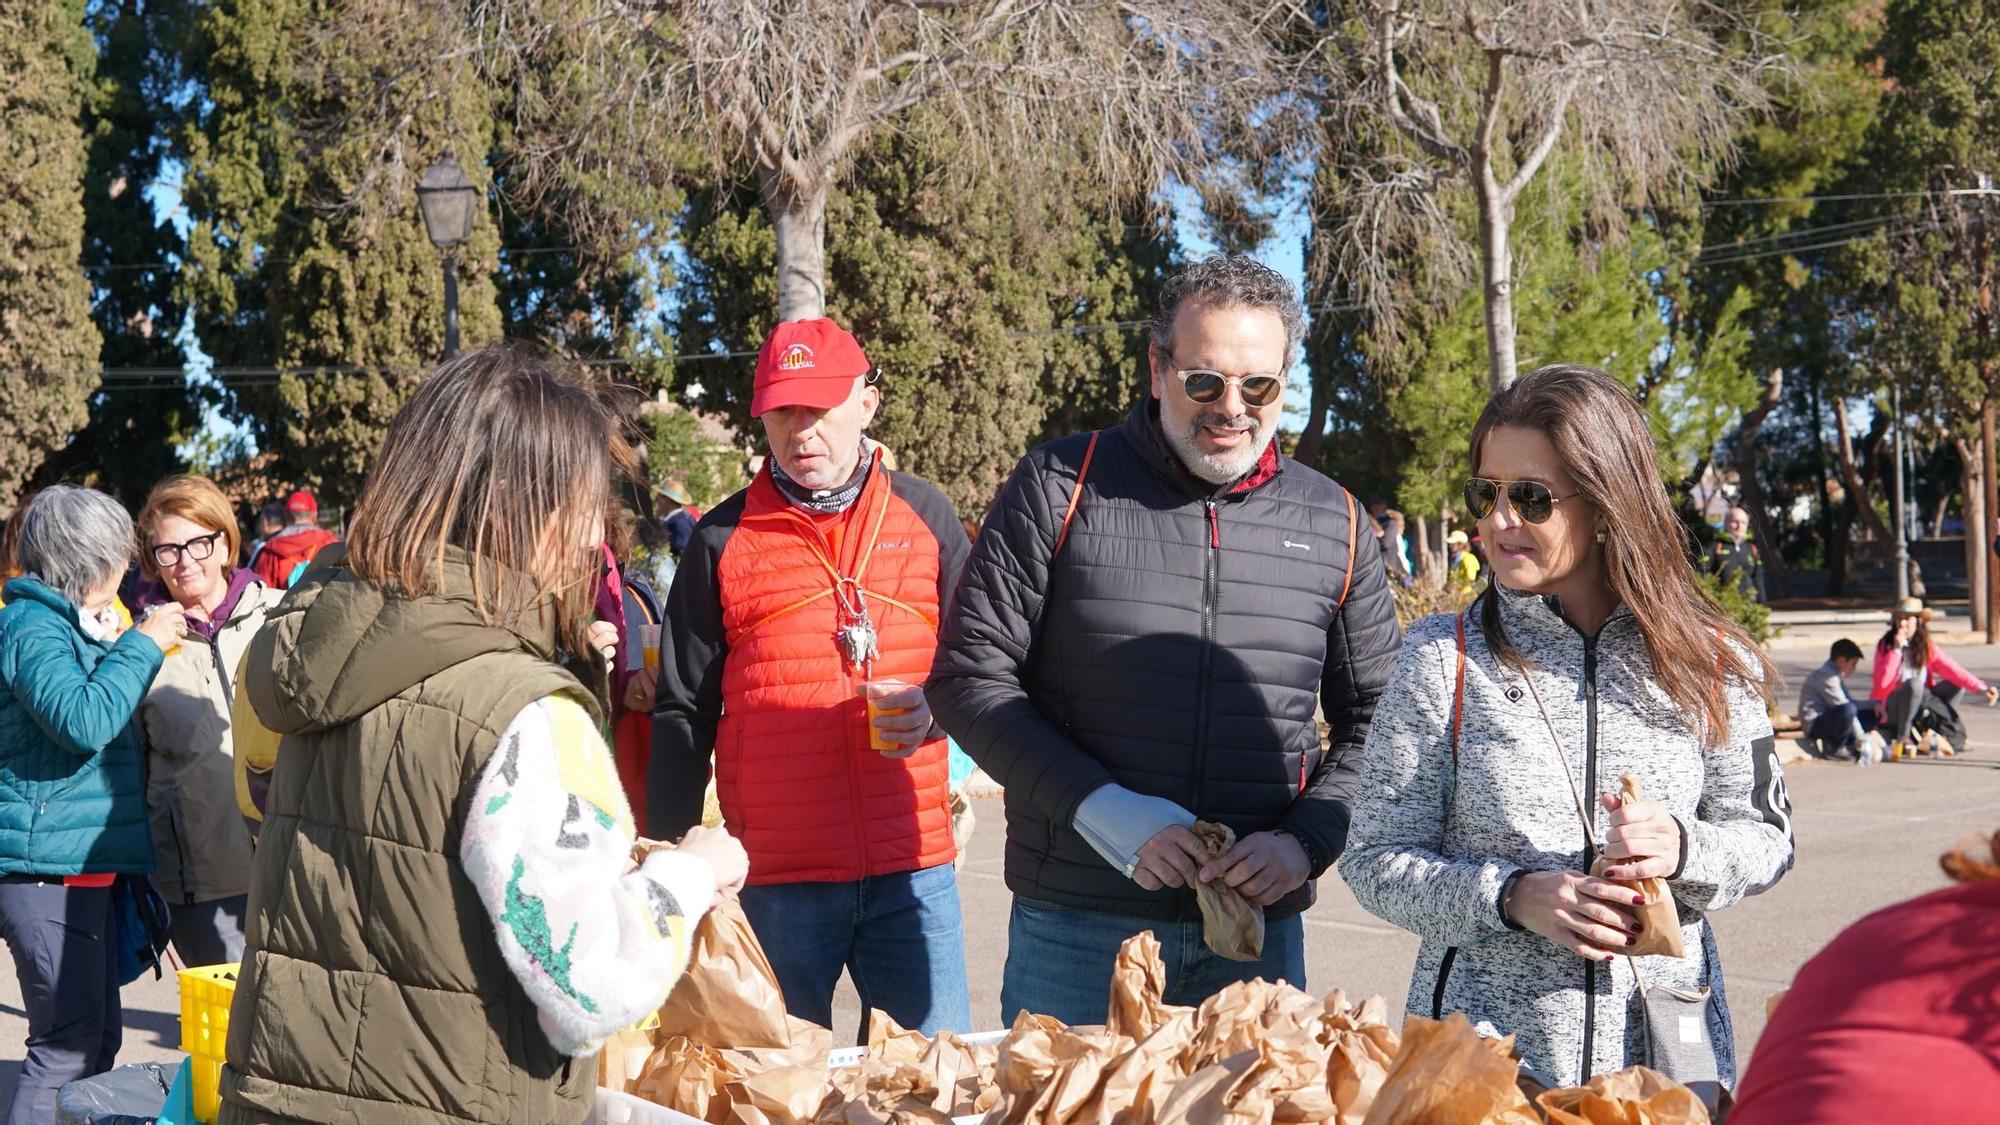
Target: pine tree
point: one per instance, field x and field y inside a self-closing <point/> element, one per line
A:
<point x="964" y="294"/>
<point x="48" y="343"/>
<point x="307" y="251"/>
<point x="145" y="407"/>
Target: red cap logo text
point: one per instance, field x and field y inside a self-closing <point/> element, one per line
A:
<point x="798" y="357"/>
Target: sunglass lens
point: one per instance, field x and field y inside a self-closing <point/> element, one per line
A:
<point x="1262" y="390"/>
<point x="1203" y="386"/>
<point x="1532" y="502"/>
<point x="1479" y="497"/>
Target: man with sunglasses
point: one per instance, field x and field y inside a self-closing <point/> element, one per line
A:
<point x="1148" y="619"/>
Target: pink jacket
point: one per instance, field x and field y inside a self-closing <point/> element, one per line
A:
<point x="1889" y="672"/>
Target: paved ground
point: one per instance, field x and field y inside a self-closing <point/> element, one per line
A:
<point x="1866" y="838"/>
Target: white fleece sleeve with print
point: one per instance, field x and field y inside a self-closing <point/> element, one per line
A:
<point x="596" y="943"/>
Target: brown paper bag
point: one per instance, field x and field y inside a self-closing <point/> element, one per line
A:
<point x="1659" y="923"/>
<point x="1360" y="1049"/>
<point x="786" y="1095"/>
<point x="1046" y="1071"/>
<point x="1630" y="1097"/>
<point x="1138" y="980"/>
<point x="1230" y="926"/>
<point x="1446" y="1074"/>
<point x="687" y="1076"/>
<point x="1220" y="1094"/>
<point x="1136" y="1085"/>
<point x="622" y="1058"/>
<point x="728" y="997"/>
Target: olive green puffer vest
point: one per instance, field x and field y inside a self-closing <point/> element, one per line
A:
<point x="372" y="987"/>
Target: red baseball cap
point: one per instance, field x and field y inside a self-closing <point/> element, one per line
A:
<point x="811" y="363"/>
<point x="301" y="501"/>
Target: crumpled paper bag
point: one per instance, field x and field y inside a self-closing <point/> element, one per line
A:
<point x="1637" y="1096"/>
<point x="907" y="1077"/>
<point x="1230" y="925"/>
<point x="729" y="997"/>
<point x="687" y="1076"/>
<point x="623" y="1057"/>
<point x="1138" y="981"/>
<point x="1659" y="923"/>
<point x="1447" y="1074"/>
<point x="1361" y="1046"/>
<point x="1047" y="1072"/>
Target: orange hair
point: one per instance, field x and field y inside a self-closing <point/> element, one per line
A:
<point x="192" y="498"/>
<point x="1966" y="865"/>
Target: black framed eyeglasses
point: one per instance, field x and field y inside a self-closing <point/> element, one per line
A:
<point x="1531" y="499"/>
<point x="167" y="555"/>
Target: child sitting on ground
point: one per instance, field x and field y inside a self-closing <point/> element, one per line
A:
<point x="1838" y="726"/>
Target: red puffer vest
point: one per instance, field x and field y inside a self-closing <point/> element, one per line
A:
<point x="799" y="785"/>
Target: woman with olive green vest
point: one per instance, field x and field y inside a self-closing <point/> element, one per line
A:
<point x="445" y="920"/>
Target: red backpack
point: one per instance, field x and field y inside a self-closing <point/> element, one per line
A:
<point x="284" y="558"/>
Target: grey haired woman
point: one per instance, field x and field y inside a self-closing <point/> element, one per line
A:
<point x="72" y="780"/>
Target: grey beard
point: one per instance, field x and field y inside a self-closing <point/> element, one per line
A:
<point x="1219" y="468"/>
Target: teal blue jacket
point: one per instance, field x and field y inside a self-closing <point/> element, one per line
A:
<point x="72" y="760"/>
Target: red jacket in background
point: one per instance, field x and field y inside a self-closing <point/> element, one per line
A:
<point x="285" y="555"/>
<point x="1897" y="1020"/>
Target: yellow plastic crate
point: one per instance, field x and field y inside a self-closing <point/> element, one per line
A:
<point x="205" y="997"/>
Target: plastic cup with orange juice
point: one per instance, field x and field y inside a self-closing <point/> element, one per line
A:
<point x="872" y="692"/>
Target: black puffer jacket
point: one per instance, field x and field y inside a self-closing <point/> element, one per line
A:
<point x="1177" y="649"/>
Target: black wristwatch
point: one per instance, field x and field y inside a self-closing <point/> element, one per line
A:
<point x="1315" y="859"/>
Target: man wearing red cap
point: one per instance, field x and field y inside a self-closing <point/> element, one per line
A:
<point x="801" y="626"/>
<point x="285" y="555"/>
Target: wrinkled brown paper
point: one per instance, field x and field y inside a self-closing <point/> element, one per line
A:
<point x="1659" y="923"/>
<point x="728" y="997"/>
<point x="623" y="1058"/>
<point x="1230" y="925"/>
<point x="1630" y="1097"/>
<point x="1360" y="1048"/>
<point x="1253" y="1053"/>
<point x="1447" y="1074"/>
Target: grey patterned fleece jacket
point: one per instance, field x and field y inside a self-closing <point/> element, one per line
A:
<point x="1432" y="844"/>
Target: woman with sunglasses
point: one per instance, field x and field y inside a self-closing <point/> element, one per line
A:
<point x="188" y="542"/>
<point x="1592" y="655"/>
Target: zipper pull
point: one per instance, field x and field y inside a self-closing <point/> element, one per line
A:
<point x="1214" y="525"/>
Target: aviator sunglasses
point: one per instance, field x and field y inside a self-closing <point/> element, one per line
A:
<point x="1531" y="500"/>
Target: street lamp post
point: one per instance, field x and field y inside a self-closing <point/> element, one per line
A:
<point x="450" y="203"/>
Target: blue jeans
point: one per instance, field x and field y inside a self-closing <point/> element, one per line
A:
<point x="1059" y="961"/>
<point x="1836" y="725"/>
<point x="900" y="937"/>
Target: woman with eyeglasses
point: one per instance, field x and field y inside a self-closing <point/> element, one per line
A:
<point x="1491" y="785"/>
<point x="188" y="542"/>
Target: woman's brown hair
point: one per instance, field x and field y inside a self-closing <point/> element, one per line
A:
<point x="1976" y="860"/>
<point x="1599" y="432"/>
<point x="10" y="536"/>
<point x="1920" y="641"/>
<point x="508" y="454"/>
<point x="195" y="499"/>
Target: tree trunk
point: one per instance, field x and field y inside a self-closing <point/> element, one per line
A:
<point x="1312" y="440"/>
<point x="1989" y="525"/>
<point x="1744" y="457"/>
<point x="1850" y="475"/>
<point x="1496" y="265"/>
<point x="798" y="218"/>
<point x="1973" y="488"/>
